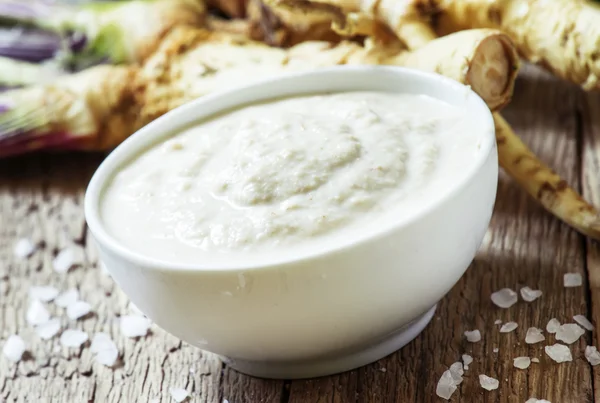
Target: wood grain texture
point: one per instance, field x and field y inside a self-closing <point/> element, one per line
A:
<point x="41" y="198"/>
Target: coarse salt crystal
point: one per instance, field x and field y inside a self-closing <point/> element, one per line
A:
<point x="572" y="280"/>
<point x="24" y="248"/>
<point x="105" y="349"/>
<point x="14" y="348"/>
<point x="508" y="327"/>
<point x="37" y="314"/>
<point x="569" y="333"/>
<point x="178" y="394"/>
<point x="534" y="400"/>
<point x="67" y="298"/>
<point x="43" y="293"/>
<point x="534" y="335"/>
<point x="530" y="295"/>
<point x="553" y="325"/>
<point x="536" y="360"/>
<point x="498" y="322"/>
<point x="456" y="370"/>
<point x="505" y="298"/>
<point x="78" y="309"/>
<point x="49" y="329"/>
<point x="473" y="336"/>
<point x="495" y="349"/>
<point x="225" y="401"/>
<point x="73" y="338"/>
<point x="64" y="260"/>
<point x="134" y="325"/>
<point x="583" y="321"/>
<point x="488" y="383"/>
<point x="559" y="352"/>
<point x="467" y="360"/>
<point x="522" y="362"/>
<point x="592" y="355"/>
<point x="446" y="386"/>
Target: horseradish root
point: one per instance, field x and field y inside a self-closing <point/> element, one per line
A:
<point x="549" y="189"/>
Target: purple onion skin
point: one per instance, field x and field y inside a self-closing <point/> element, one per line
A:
<point x="32" y="45"/>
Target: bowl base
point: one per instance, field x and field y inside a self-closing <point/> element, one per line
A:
<point x="333" y="365"/>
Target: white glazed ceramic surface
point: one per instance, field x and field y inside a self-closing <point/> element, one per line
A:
<point x="325" y="313"/>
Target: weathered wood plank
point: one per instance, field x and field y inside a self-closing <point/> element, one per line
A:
<point x="41" y="199"/>
<point x="525" y="246"/>
<point x="590" y="121"/>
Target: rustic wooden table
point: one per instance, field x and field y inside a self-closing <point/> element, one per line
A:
<point x="41" y="199"/>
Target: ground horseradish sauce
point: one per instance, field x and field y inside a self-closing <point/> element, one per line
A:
<point x="290" y="175"/>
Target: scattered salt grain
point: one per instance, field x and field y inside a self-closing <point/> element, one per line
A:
<point x="37" y="314"/>
<point x="49" y="329"/>
<point x="78" y="309"/>
<point x="505" y="298"/>
<point x="530" y="295"/>
<point x="553" y="325"/>
<point x="225" y="401"/>
<point x="134" y="325"/>
<point x="536" y="360"/>
<point x="508" y="327"/>
<point x="44" y="293"/>
<point x="446" y="386"/>
<point x="473" y="336"/>
<point x="569" y="333"/>
<point x="73" y="338"/>
<point x="573" y="280"/>
<point x="64" y="260"/>
<point x="178" y="394"/>
<point x="67" y="298"/>
<point x="105" y="349"/>
<point x="495" y="350"/>
<point x="592" y="355"/>
<point x="534" y="400"/>
<point x="534" y="335"/>
<point x="456" y="370"/>
<point x="498" y="322"/>
<point x="14" y="347"/>
<point x="559" y="352"/>
<point x="584" y="322"/>
<point x="467" y="360"/>
<point x="522" y="362"/>
<point x="24" y="248"/>
<point x="488" y="383"/>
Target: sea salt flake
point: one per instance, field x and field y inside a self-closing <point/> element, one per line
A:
<point x="467" y="360"/>
<point x="456" y="370"/>
<point x="24" y="248"/>
<point x="37" y="314"/>
<point x="49" y="329"/>
<point x="498" y="322"/>
<point x="505" y="298"/>
<point x="572" y="280"/>
<point x="534" y="335"/>
<point x="488" y="383"/>
<point x="530" y="295"/>
<point x="134" y="325"/>
<point x="178" y="394"/>
<point x="584" y="322"/>
<point x="73" y="338"/>
<point x="592" y="355"/>
<point x="14" y="348"/>
<point x="105" y="349"/>
<point x="534" y="400"/>
<point x="44" y="293"/>
<point x="536" y="360"/>
<point x="553" y="325"/>
<point x="446" y="386"/>
<point x="67" y="298"/>
<point x="559" y="352"/>
<point x="569" y="333"/>
<point x="78" y="309"/>
<point x="522" y="362"/>
<point x="64" y="260"/>
<point x="508" y="327"/>
<point x="473" y="336"/>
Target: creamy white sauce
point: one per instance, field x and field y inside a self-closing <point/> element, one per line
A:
<point x="289" y="176"/>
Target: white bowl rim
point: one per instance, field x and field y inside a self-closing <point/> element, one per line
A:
<point x="135" y="143"/>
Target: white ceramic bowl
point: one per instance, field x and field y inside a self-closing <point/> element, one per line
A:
<point x="325" y="313"/>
